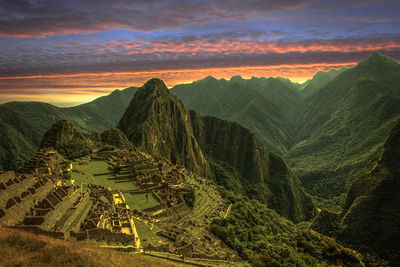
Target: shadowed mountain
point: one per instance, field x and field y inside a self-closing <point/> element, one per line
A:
<point x="267" y="106"/>
<point x="23" y="124"/>
<point x="157" y="122"/>
<point x="345" y="124"/>
<point x="371" y="214"/>
<point x="59" y="133"/>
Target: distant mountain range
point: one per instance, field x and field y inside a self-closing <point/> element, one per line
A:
<point x="330" y="132"/>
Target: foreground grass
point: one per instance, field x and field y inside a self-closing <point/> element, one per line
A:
<point x="19" y="248"/>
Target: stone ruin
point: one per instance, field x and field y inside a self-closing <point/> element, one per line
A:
<point x="40" y="199"/>
<point x="108" y="218"/>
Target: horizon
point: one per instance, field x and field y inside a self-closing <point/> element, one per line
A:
<point x="69" y="54"/>
<point x="74" y="104"/>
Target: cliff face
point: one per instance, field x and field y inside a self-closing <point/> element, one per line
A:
<point x="370" y="217"/>
<point x="157" y="122"/>
<point x="261" y="175"/>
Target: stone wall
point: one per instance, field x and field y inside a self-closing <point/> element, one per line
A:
<point x="73" y="223"/>
<point x="60" y="209"/>
<point x="100" y="234"/>
<point x="16" y="213"/>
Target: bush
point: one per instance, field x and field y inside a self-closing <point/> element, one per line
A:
<point x="75" y="148"/>
<point x="189" y="198"/>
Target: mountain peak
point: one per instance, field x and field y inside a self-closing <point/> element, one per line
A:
<point x="376" y="59"/>
<point x="157" y="122"/>
<point x="60" y="132"/>
<point x="154" y="85"/>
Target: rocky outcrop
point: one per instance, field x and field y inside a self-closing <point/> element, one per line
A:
<point x="262" y="175"/>
<point x="67" y="140"/>
<point x="59" y="133"/>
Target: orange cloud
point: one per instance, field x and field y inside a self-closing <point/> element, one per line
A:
<point x="253" y="47"/>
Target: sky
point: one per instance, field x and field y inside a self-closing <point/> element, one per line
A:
<point x="70" y="52"/>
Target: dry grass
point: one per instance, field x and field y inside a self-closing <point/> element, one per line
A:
<point x="19" y="248"/>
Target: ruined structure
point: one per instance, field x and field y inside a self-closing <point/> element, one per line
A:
<point x="42" y="198"/>
<point x="108" y="219"/>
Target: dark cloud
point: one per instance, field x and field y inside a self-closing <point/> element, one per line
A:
<point x="38" y="18"/>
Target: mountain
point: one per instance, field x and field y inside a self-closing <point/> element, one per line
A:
<point x="330" y="132"/>
<point x="370" y="217"/>
<point x="114" y="137"/>
<point x="158" y="123"/>
<point x="266" y="239"/>
<point x="344" y="125"/>
<point x="267" y="106"/>
<point x="320" y="79"/>
<point x="22" y="124"/>
<point x="59" y="133"/>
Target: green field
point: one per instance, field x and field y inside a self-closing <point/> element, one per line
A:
<point x="99" y="167"/>
<point x="148" y="235"/>
<point x="138" y="200"/>
<point x="135" y="201"/>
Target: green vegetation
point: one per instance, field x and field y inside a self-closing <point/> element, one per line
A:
<point x="75" y="148"/>
<point x="97" y="172"/>
<point x="330" y="132"/>
<point x="370" y="217"/>
<point x="266" y="239"/>
<point x="267" y="106"/>
<point x="189" y="198"/>
<point x="148" y="233"/>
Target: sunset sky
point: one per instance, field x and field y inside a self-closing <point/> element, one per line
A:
<point x="70" y="52"/>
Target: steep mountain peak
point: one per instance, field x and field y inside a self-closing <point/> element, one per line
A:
<point x="59" y="133"/>
<point x="154" y="86"/>
<point x="157" y="122"/>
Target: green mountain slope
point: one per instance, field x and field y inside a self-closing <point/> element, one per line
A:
<point x="213" y="147"/>
<point x="24" y="123"/>
<point x="158" y="123"/>
<point x="268" y="107"/>
<point x="370" y="217"/>
<point x="345" y="124"/>
<point x="266" y="239"/>
<point x="320" y="79"/>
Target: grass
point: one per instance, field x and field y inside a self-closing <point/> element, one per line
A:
<point x="146" y="234"/>
<point x="138" y="200"/>
<point x="18" y="248"/>
<point x="99" y="167"/>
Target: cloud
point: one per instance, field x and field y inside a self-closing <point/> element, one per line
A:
<point x="186" y="52"/>
<point x="34" y="18"/>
